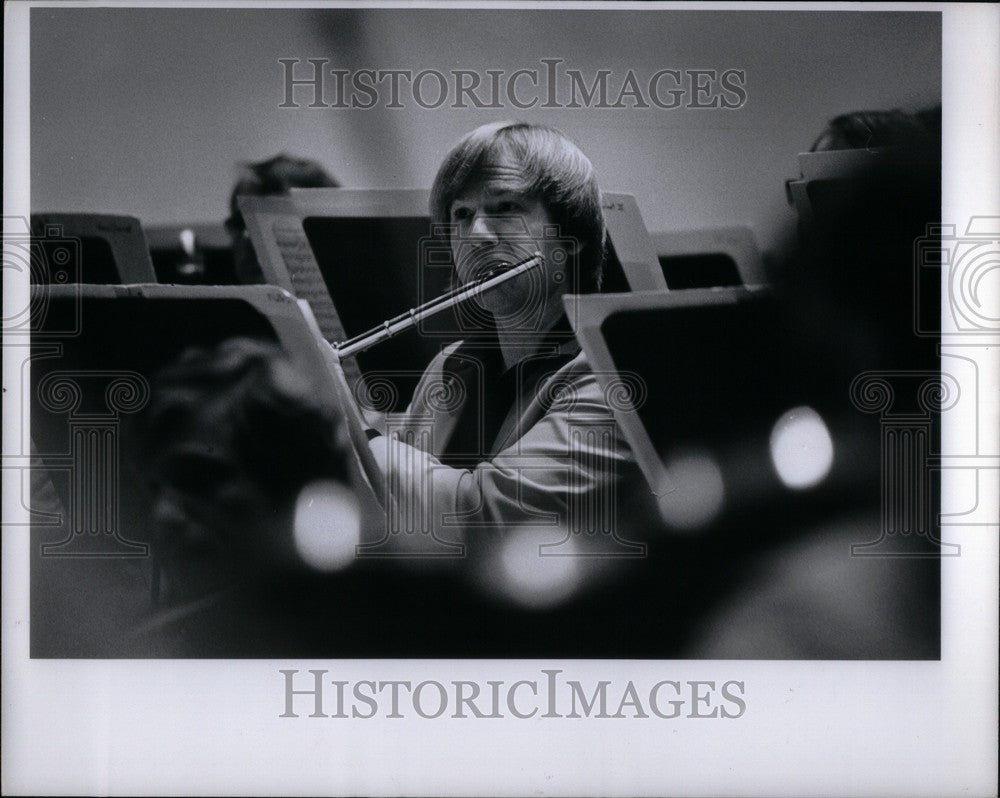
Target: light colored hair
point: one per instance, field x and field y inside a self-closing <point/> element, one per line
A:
<point x="553" y="169"/>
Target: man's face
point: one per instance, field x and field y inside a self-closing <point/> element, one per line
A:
<point x="496" y="223"/>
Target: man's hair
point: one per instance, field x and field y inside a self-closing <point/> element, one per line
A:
<point x="283" y="434"/>
<point x="861" y="130"/>
<point x="553" y="169"/>
<point x="853" y="280"/>
<point x="275" y="176"/>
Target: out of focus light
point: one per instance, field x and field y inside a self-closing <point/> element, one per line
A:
<point x="697" y="493"/>
<point x="187" y="239"/>
<point x="327" y="525"/>
<point x="801" y="448"/>
<point x="534" y="578"/>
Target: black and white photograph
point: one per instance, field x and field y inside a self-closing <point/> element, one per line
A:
<point x="489" y="399"/>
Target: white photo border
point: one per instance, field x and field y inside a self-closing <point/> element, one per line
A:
<point x="812" y="727"/>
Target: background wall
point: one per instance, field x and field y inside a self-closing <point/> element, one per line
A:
<point x="147" y="111"/>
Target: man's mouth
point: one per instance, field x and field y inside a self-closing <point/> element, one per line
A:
<point x="488" y="261"/>
<point x="483" y="265"/>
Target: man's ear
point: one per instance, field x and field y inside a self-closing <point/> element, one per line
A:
<point x="574" y="248"/>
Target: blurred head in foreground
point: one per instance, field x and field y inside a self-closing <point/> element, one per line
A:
<point x="234" y="433"/>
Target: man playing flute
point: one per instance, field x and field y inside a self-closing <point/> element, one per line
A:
<point x="513" y="431"/>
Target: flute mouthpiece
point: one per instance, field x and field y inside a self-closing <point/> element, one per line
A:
<point x="506" y="266"/>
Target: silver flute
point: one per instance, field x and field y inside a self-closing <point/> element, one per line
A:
<point x="412" y="317"/>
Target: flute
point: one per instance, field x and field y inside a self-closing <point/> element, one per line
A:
<point x="412" y="317"/>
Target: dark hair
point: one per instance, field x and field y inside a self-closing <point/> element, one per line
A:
<point x="283" y="434"/>
<point x="855" y="280"/>
<point x="860" y="130"/>
<point x="553" y="169"/>
<point x="275" y="176"/>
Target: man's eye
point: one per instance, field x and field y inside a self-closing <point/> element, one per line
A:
<point x="461" y="214"/>
<point x="508" y="207"/>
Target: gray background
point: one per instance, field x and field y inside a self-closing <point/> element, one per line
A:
<point x="146" y="111"/>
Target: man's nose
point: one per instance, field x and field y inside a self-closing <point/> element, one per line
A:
<point x="483" y="228"/>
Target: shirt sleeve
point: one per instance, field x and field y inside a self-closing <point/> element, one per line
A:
<point x="561" y="474"/>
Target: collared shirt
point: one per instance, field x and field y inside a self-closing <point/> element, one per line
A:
<point x="495" y="394"/>
<point x="543" y="450"/>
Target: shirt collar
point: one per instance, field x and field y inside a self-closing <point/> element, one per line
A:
<point x="558" y="341"/>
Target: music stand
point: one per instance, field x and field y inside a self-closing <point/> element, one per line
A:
<point x="91" y="248"/>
